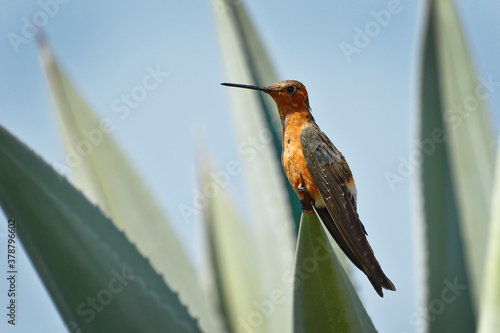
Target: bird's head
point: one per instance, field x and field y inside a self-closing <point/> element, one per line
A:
<point x="290" y="95"/>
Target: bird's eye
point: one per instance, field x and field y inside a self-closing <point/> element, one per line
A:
<point x="290" y="89"/>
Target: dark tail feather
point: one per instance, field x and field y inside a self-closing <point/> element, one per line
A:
<point x="387" y="284"/>
<point x="378" y="284"/>
<point x="334" y="231"/>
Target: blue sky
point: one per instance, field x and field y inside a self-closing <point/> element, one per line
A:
<point x="365" y="102"/>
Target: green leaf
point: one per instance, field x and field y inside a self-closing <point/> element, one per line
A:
<point x="489" y="320"/>
<point x="83" y="260"/>
<point x="271" y="219"/>
<point x="324" y="299"/>
<point x="456" y="172"/>
<point x="247" y="62"/>
<point x="107" y="178"/>
<point x="234" y="262"/>
<point x="441" y="243"/>
<point x="469" y="143"/>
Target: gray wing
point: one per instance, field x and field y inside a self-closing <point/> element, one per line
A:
<point x="330" y="174"/>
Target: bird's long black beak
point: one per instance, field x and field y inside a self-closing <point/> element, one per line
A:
<point x="264" y="89"/>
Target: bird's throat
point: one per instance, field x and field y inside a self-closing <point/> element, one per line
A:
<point x="296" y="118"/>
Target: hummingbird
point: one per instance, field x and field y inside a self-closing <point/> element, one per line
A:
<point x="319" y="174"/>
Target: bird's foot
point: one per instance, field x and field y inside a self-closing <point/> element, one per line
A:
<point x="304" y="205"/>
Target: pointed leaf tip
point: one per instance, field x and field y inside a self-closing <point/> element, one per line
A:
<point x="324" y="299"/>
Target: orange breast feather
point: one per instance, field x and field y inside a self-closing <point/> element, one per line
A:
<point x="293" y="160"/>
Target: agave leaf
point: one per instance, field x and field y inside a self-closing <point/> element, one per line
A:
<point x="469" y="142"/>
<point x="271" y="220"/>
<point x="441" y="242"/>
<point x="84" y="261"/>
<point x="106" y="177"/>
<point x="254" y="67"/>
<point x="324" y="299"/>
<point x="234" y="262"/>
<point x="454" y="172"/>
<point x="489" y="320"/>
